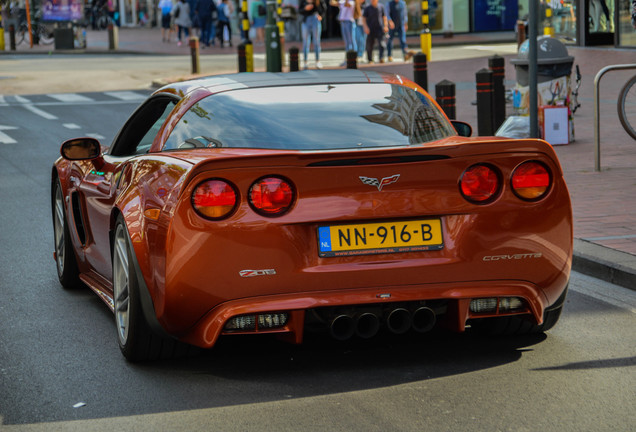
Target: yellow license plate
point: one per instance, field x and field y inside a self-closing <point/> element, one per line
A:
<point x="376" y="238"/>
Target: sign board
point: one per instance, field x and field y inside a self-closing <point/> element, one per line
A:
<point x="62" y="10"/>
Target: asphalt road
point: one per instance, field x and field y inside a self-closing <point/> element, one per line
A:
<point x="61" y="369"/>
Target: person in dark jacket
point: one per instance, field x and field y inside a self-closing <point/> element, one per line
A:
<point x="376" y="26"/>
<point x="204" y="10"/>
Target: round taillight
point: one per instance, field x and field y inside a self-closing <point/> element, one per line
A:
<point x="214" y="199"/>
<point x="271" y="196"/>
<point x="531" y="181"/>
<point x="480" y="183"/>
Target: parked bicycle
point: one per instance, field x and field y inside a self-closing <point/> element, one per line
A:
<point x="627" y="107"/>
<point x="41" y="32"/>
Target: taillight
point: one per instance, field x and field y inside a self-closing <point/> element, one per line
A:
<point x="271" y="196"/>
<point x="531" y="181"/>
<point x="480" y="183"/>
<point x="214" y="199"/>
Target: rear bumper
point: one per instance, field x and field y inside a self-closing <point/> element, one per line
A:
<point x="458" y="296"/>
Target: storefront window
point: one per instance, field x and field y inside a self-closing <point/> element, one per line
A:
<point x="626" y="31"/>
<point x="564" y="20"/>
<point x="494" y="15"/>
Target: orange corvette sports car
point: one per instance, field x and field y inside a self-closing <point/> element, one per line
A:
<point x="342" y="201"/>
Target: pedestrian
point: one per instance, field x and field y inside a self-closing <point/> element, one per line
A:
<point x="204" y="11"/>
<point x="259" y="13"/>
<point x="181" y="13"/>
<point x="634" y="14"/>
<point x="311" y="28"/>
<point x="376" y="26"/>
<point x="224" y="11"/>
<point x="347" y="23"/>
<point x="359" y="34"/>
<point x="398" y="25"/>
<point x="165" y="6"/>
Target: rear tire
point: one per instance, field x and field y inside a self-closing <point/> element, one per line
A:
<point x="65" y="260"/>
<point x="136" y="339"/>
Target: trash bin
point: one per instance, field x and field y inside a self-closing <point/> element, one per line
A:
<point x="553" y="60"/>
<point x="554" y="66"/>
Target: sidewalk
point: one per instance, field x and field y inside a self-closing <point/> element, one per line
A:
<point x="603" y="202"/>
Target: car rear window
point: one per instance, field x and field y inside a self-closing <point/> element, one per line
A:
<point x="317" y="117"/>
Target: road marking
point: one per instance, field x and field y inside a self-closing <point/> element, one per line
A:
<point x="96" y="136"/>
<point x="39" y="112"/>
<point x="126" y="95"/>
<point x="4" y="138"/>
<point x="71" y="126"/>
<point x="22" y="100"/>
<point x="2" y="101"/>
<point x="70" y="97"/>
<point x="615" y="295"/>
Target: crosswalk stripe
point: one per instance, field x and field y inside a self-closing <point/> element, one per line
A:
<point x="39" y="112"/>
<point x="70" y="97"/>
<point x="126" y="95"/>
<point x="21" y="99"/>
<point x="71" y="126"/>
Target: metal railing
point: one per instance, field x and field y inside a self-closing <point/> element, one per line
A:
<point x="597" y="122"/>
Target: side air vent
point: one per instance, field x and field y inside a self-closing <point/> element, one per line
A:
<point x="378" y="161"/>
<point x="78" y="219"/>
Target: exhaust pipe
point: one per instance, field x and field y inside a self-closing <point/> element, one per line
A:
<point x="399" y="321"/>
<point x="367" y="325"/>
<point x="423" y="319"/>
<point x="342" y="327"/>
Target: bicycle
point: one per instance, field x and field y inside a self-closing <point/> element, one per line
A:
<point x="41" y="33"/>
<point x="574" y="102"/>
<point x="627" y="107"/>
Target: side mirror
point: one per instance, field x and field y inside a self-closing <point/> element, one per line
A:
<point x="462" y="128"/>
<point x="81" y="149"/>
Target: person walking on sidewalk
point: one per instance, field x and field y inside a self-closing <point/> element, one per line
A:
<point x="347" y="23"/>
<point x="312" y="11"/>
<point x="181" y="13"/>
<point x="224" y="12"/>
<point x="259" y="13"/>
<point x="166" y="25"/>
<point x="204" y="11"/>
<point x="398" y="25"/>
<point x="376" y="26"/>
<point x="358" y="32"/>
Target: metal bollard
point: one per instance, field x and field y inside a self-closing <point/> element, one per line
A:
<point x="113" y="37"/>
<point x="293" y="59"/>
<point x="352" y="59"/>
<point x="445" y="97"/>
<point x="521" y="32"/>
<point x="12" y="37"/>
<point x="420" y="70"/>
<point x="484" y="103"/>
<point x="497" y="65"/>
<point x="242" y="59"/>
<point x="194" y="52"/>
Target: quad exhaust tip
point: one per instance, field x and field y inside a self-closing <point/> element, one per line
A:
<point x="366" y="324"/>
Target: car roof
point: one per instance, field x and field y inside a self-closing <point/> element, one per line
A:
<point x="219" y="83"/>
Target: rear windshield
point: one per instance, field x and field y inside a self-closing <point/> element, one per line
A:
<point x="317" y="117"/>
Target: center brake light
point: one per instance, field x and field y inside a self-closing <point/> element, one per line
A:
<point x="271" y="196"/>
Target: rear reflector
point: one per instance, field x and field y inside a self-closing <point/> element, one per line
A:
<point x="480" y="184"/>
<point x="483" y="305"/>
<point x="489" y="305"/>
<point x="531" y="181"/>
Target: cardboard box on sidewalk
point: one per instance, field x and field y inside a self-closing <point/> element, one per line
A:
<point x="554" y="124"/>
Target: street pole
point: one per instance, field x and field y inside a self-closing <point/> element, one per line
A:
<point x="247" y="43"/>
<point x="273" y="53"/>
<point x="425" y="34"/>
<point x="532" y="68"/>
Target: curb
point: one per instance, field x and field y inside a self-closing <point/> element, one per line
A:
<point x="610" y="265"/>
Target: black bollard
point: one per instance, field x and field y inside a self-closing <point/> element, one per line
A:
<point x="484" y="103"/>
<point x="242" y="58"/>
<point x="293" y="59"/>
<point x="12" y="37"/>
<point x="498" y="67"/>
<point x="445" y="97"/>
<point x="352" y="59"/>
<point x="194" y="52"/>
<point x="420" y="70"/>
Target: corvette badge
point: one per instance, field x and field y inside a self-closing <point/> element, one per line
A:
<point x="379" y="183"/>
